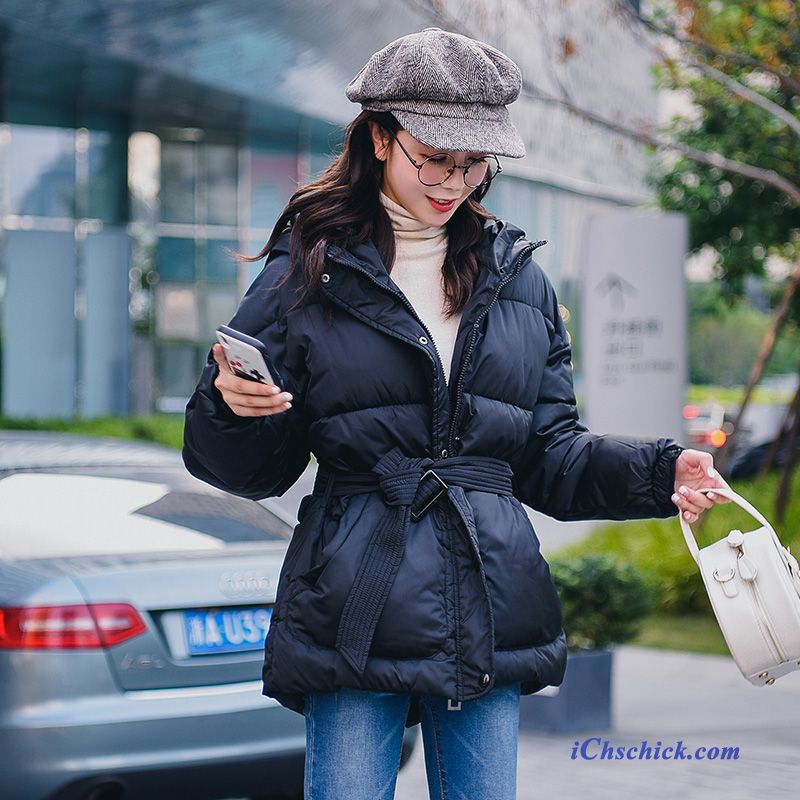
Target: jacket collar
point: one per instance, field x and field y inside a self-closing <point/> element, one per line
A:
<point x="497" y="248"/>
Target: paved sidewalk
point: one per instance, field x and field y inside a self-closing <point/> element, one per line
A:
<point x="667" y="696"/>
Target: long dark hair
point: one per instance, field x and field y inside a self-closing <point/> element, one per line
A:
<point x="342" y="207"/>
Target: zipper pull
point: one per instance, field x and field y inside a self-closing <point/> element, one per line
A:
<point x="747" y="569"/>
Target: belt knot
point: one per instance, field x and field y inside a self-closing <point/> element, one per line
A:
<point x="399" y="476"/>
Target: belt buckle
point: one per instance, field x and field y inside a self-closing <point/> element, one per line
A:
<point x="415" y="515"/>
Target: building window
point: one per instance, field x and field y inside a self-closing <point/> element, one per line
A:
<point x="221" y="173"/>
<point x="41" y="172"/>
<point x="176" y="259"/>
<point x="178" y="182"/>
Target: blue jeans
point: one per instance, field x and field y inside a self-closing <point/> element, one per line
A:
<point x="354" y="737"/>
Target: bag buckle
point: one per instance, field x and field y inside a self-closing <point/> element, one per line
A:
<point x="415" y="515"/>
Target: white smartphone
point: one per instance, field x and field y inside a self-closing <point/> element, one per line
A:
<point x="246" y="356"/>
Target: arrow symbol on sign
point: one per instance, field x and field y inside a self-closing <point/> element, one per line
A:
<point x="617" y="287"/>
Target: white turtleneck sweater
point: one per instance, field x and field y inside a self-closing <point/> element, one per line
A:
<point x="417" y="271"/>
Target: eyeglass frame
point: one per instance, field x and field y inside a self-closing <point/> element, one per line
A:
<point x="465" y="167"/>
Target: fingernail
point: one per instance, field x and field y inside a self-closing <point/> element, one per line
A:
<point x="287" y="396"/>
<point x="687" y="514"/>
<point x="675" y="498"/>
<point x="683" y="490"/>
<point x="712" y="473"/>
<point x="712" y="496"/>
<point x="274" y="390"/>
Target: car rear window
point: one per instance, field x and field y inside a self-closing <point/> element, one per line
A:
<point x="51" y="514"/>
<point x="229" y="518"/>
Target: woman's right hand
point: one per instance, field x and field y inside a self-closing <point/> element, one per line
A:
<point x="248" y="398"/>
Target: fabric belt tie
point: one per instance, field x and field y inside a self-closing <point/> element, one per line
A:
<point x="410" y="487"/>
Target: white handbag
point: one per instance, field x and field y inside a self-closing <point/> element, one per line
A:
<point x="753" y="582"/>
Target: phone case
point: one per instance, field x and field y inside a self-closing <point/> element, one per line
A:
<point x="247" y="356"/>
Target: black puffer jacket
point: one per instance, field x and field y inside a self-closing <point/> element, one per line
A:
<point x="394" y="581"/>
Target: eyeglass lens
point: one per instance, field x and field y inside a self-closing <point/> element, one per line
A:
<point x="437" y="169"/>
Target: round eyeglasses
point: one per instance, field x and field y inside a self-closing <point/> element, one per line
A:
<point x="436" y="169"/>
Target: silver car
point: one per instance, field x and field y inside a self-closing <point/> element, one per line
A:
<point x="134" y="602"/>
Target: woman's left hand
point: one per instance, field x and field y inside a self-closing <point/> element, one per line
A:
<point x="694" y="469"/>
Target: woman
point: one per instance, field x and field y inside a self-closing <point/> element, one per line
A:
<point x="425" y="364"/>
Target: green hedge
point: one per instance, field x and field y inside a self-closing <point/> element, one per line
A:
<point x="165" y="429"/>
<point x="603" y="602"/>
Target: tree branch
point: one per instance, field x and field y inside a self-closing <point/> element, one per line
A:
<point x="779" y="317"/>
<point x="788" y="83"/>
<point x="645" y="136"/>
<point x="745" y="93"/>
<point x="736" y="87"/>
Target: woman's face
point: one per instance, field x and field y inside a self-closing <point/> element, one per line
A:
<point x="400" y="181"/>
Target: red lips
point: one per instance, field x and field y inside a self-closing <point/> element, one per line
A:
<point x="441" y="206"/>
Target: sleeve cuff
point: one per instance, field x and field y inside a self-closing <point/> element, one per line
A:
<point x="664" y="480"/>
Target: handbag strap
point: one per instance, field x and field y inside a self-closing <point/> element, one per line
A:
<point x="691" y="543"/>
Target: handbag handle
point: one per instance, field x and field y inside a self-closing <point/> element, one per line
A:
<point x="691" y="543"/>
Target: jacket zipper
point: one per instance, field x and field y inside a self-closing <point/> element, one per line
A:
<point x="435" y="361"/>
<point x="475" y="326"/>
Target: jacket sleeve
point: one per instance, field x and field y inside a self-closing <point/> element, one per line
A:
<point x="253" y="457"/>
<point x="569" y="473"/>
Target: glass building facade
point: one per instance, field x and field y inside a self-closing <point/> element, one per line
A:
<point x="139" y="150"/>
<point x="123" y="194"/>
<point x="116" y="258"/>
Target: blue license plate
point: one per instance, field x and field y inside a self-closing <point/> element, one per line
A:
<point x="229" y="630"/>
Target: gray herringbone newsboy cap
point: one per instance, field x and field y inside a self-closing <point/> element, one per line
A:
<point x="446" y="90"/>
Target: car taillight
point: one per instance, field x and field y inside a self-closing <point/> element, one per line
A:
<point x="82" y="626"/>
<point x="691" y="411"/>
<point x="717" y="437"/>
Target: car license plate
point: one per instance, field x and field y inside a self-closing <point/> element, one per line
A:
<point x="229" y="630"/>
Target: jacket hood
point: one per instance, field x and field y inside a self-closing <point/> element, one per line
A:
<point x="499" y="244"/>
